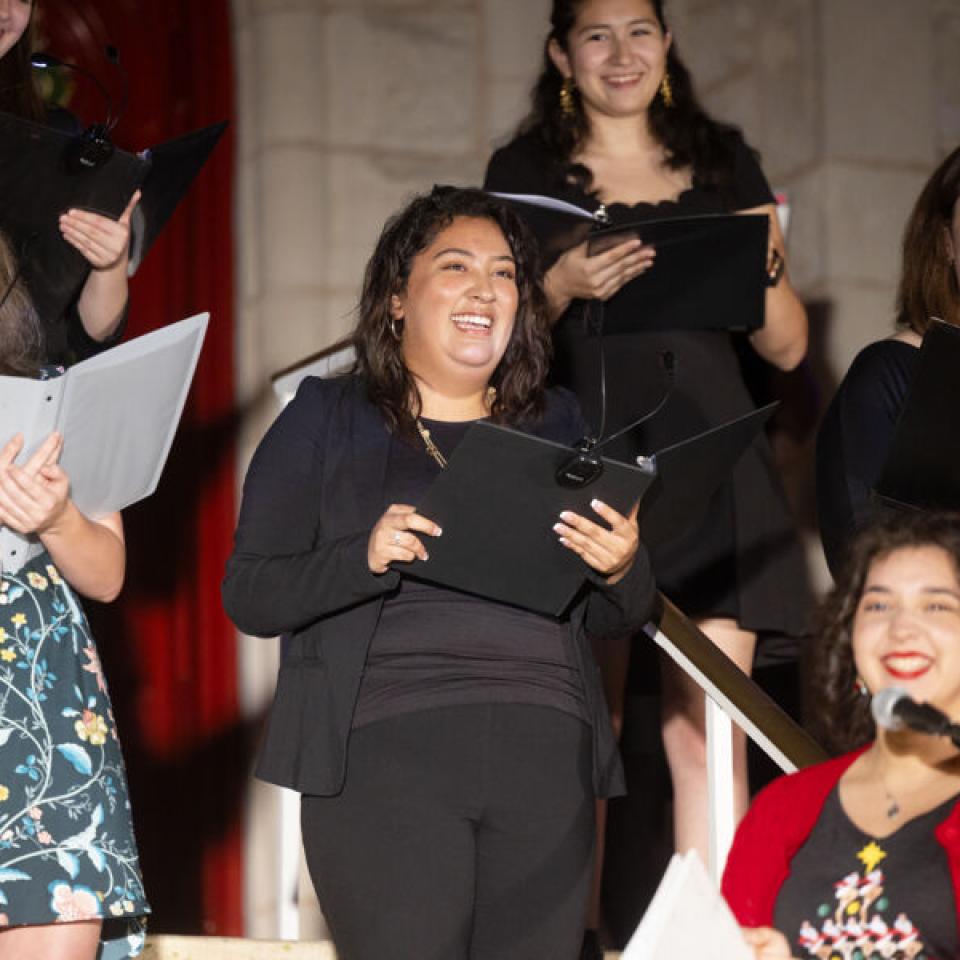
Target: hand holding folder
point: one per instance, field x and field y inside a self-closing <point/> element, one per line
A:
<point x="709" y="272"/>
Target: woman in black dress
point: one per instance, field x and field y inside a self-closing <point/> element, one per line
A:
<point x="615" y="123"/>
<point x="857" y="429"/>
<point x="95" y="320"/>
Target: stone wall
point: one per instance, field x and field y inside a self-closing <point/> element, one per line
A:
<point x="349" y="106"/>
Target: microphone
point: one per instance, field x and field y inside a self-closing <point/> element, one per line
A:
<point x="894" y="709"/>
<point x="585" y="466"/>
<point x="92" y="148"/>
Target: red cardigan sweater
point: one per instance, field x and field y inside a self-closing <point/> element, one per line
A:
<point x="779" y="821"/>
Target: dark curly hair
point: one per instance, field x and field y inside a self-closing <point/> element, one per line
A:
<point x="18" y="92"/>
<point x="690" y="137"/>
<point x="928" y="281"/>
<point x="21" y="340"/>
<point x="841" y="715"/>
<point x="520" y="376"/>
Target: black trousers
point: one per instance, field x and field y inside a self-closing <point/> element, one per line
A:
<point x="462" y="833"/>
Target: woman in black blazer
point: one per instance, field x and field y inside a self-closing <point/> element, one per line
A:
<point x="448" y="748"/>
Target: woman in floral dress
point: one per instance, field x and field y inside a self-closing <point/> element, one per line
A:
<point x="70" y="885"/>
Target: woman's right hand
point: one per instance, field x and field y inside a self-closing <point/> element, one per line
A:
<point x="393" y="537"/>
<point x="767" y="943"/>
<point x="34" y="496"/>
<point x="577" y="276"/>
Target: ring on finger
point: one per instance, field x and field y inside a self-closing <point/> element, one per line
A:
<point x="396" y="537"/>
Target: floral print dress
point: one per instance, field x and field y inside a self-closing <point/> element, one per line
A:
<point x="67" y="849"/>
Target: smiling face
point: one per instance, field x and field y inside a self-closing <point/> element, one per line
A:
<point x="616" y="54"/>
<point x="906" y="630"/>
<point x="458" y="308"/>
<point x="14" y="20"/>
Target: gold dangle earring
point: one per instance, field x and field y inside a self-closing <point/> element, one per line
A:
<point x="568" y="106"/>
<point x="666" y="90"/>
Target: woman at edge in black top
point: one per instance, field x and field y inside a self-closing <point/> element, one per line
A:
<point x="615" y="121"/>
<point x="857" y="429"/>
<point x="448" y="749"/>
<point x="97" y="316"/>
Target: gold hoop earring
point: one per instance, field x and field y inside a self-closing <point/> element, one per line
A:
<point x="666" y="90"/>
<point x="568" y="105"/>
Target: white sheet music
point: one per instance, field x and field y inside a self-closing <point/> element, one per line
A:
<point x="117" y="411"/>
<point x="687" y="918"/>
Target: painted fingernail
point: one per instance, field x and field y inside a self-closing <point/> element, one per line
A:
<point x="438" y="532"/>
<point x="597" y="504"/>
<point x="426" y="556"/>
<point x="558" y="528"/>
<point x="564" y="541"/>
<point x="566" y="515"/>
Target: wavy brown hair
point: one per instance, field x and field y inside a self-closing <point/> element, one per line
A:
<point x="21" y="340"/>
<point x="841" y="714"/>
<point x="690" y="137"/>
<point x="520" y="376"/>
<point x="18" y="92"/>
<point x="928" y="281"/>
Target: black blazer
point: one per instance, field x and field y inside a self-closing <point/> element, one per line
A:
<point x="313" y="492"/>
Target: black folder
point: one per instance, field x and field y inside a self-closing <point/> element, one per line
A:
<point x="922" y="470"/>
<point x="37" y="185"/>
<point x="498" y="499"/>
<point x="497" y="502"/>
<point x="709" y="273"/>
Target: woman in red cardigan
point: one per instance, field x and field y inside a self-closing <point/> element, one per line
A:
<point x="859" y="857"/>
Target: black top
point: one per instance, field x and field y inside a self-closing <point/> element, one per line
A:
<point x="742" y="560"/>
<point x="435" y="647"/>
<point x="892" y="894"/>
<point x="854" y="440"/>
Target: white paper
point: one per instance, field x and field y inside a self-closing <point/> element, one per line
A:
<point x="117" y="411"/>
<point x="548" y="203"/>
<point x="687" y="919"/>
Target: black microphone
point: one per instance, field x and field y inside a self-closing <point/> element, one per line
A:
<point x="894" y="709"/>
<point x="585" y="466"/>
<point x="92" y="148"/>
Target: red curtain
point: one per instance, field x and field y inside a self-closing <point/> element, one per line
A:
<point x="169" y="650"/>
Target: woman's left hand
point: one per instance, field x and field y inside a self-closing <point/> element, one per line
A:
<point x="609" y="552"/>
<point x="104" y="243"/>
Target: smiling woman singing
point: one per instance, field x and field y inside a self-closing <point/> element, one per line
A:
<point x="448" y="748"/>
<point x="862" y="853"/>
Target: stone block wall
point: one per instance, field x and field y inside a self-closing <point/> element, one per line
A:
<point x="347" y="107"/>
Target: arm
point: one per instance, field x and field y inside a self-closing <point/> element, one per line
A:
<point x="782" y="340"/>
<point x="105" y="244"/>
<point x="34" y="499"/>
<point x="285" y="570"/>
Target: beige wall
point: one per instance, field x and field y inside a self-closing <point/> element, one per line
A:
<point x="346" y="108"/>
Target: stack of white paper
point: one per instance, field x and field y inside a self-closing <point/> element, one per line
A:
<point x="687" y="919"/>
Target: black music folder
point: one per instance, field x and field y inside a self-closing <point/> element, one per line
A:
<point x="38" y="183"/>
<point x="922" y="470"/>
<point x="498" y="499"/>
<point x="709" y="274"/>
<point x="497" y="502"/>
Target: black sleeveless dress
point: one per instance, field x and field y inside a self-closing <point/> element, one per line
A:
<point x="743" y="559"/>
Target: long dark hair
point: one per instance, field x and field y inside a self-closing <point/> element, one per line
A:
<point x="21" y="339"/>
<point x="841" y="713"/>
<point x="18" y="92"/>
<point x="519" y="377"/>
<point x="690" y="137"/>
<point x="928" y="281"/>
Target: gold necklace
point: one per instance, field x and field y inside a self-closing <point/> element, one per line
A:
<point x="431" y="446"/>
